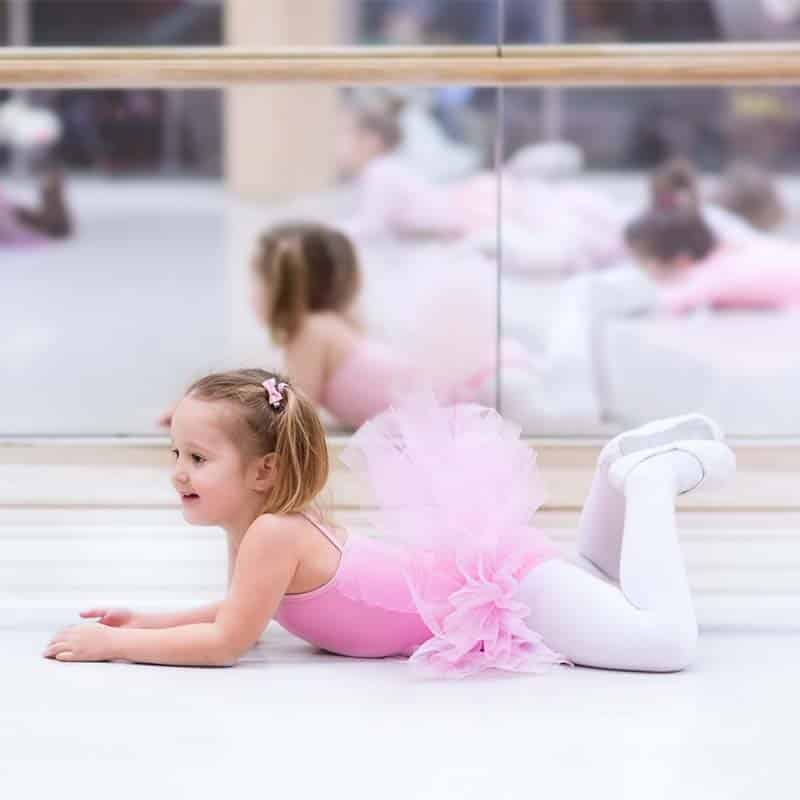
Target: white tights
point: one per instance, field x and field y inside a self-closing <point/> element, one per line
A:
<point x="625" y="603"/>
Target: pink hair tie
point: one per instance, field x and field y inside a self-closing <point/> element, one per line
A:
<point x="274" y="390"/>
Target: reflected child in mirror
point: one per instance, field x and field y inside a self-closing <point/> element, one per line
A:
<point x="674" y="243"/>
<point x="307" y="282"/>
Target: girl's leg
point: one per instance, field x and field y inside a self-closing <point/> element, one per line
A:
<point x="602" y="518"/>
<point x="647" y="623"/>
<point x="600" y="528"/>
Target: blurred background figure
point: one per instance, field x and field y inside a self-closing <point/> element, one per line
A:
<point x="751" y="193"/>
<point x="31" y="224"/>
<point x="30" y="134"/>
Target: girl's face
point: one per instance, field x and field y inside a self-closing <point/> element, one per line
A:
<point x="216" y="484"/>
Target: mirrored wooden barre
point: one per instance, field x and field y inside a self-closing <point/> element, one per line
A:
<point x="568" y="65"/>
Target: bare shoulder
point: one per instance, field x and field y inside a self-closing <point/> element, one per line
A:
<point x="273" y="533"/>
<point x="319" y="334"/>
<point x="327" y="335"/>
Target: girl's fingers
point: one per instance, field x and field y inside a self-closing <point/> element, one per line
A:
<point x="95" y="612"/>
<point x="65" y="655"/>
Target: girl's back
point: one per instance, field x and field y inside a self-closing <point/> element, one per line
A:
<point x="349" y="375"/>
<point x="364" y="610"/>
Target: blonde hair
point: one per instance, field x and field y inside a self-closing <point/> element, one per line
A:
<point x="293" y="431"/>
<point x="306" y="267"/>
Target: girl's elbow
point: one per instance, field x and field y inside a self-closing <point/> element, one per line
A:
<point x="230" y="651"/>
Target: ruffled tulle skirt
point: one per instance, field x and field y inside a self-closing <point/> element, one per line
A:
<point x="456" y="489"/>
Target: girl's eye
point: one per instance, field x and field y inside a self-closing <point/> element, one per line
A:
<point x="197" y="459"/>
<point x="174" y="452"/>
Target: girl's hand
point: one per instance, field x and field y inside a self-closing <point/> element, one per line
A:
<point x="88" y="642"/>
<point x="115" y="617"/>
<point x="165" y="420"/>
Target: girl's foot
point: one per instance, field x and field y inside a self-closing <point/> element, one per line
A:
<point x="709" y="464"/>
<point x="689" y="427"/>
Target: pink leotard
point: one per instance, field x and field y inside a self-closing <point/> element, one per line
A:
<point x="338" y="617"/>
<point x="373" y="375"/>
<point x="364" y="384"/>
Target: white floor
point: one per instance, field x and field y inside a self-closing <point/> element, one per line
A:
<point x="291" y="723"/>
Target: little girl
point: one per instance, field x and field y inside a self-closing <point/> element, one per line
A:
<point x="307" y="280"/>
<point x="460" y="581"/>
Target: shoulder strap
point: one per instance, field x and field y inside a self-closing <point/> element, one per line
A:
<point x="322" y="530"/>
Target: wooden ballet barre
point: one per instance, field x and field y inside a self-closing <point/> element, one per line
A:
<point x="561" y="65"/>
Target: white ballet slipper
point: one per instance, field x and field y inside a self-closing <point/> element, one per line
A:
<point x="716" y="461"/>
<point x="688" y="427"/>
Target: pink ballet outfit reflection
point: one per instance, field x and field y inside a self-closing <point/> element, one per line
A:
<point x="371" y="377"/>
<point x="396" y="199"/>
<point x="365" y="383"/>
<point x="757" y="275"/>
<point x="456" y="490"/>
<point x="393" y="198"/>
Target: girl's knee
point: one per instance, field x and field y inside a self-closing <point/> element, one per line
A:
<point x="677" y="648"/>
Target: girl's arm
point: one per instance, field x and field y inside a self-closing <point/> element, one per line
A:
<point x="701" y="287"/>
<point x="266" y="563"/>
<point x="124" y="618"/>
<point x="172" y="619"/>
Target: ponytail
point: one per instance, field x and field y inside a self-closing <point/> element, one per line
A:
<point x="305" y="267"/>
<point x="288" y="281"/>
<point x="301" y="456"/>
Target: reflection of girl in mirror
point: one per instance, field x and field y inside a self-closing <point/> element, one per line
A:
<point x="308" y="279"/>
<point x="394" y="197"/>
<point x="680" y="251"/>
<point x="744" y="204"/>
<point x="459" y="579"/>
<point x="548" y="225"/>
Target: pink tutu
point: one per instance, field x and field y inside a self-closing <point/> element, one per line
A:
<point x="456" y="489"/>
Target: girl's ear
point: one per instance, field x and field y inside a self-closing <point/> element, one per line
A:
<point x="262" y="473"/>
<point x="682" y="261"/>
